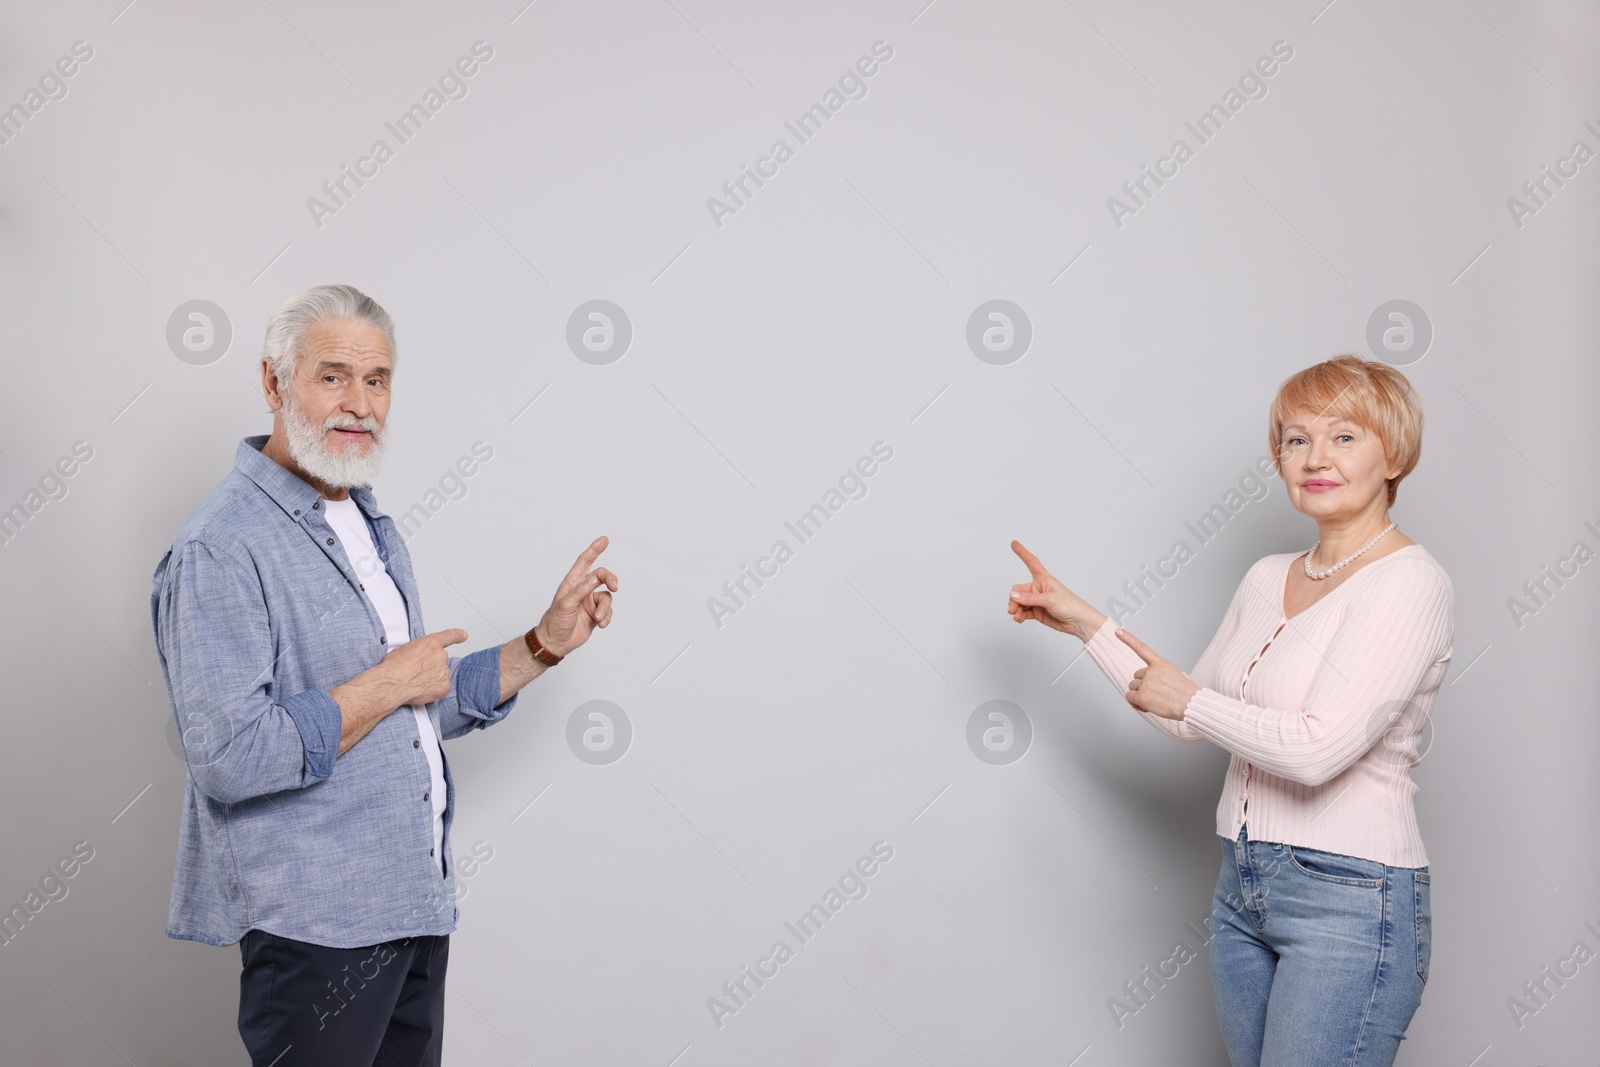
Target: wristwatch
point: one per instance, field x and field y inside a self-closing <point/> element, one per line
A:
<point x="540" y="653"/>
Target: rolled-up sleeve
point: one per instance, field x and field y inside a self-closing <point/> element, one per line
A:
<point x="320" y="721"/>
<point x="241" y="739"/>
<point x="475" y="687"/>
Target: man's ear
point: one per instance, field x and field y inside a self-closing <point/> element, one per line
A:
<point x="270" y="385"/>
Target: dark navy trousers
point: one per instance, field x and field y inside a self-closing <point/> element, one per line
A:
<point x="305" y="1005"/>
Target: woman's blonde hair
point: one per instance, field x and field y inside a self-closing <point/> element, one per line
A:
<point x="1368" y="393"/>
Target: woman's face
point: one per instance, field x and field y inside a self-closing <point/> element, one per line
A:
<point x="1333" y="468"/>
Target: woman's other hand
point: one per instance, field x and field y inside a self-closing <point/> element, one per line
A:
<point x="1158" y="687"/>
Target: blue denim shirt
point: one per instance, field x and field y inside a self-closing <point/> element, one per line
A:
<point x="257" y="614"/>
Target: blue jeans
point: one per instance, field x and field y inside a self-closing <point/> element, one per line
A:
<point x="1317" y="959"/>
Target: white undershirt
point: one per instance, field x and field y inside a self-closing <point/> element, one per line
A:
<point x="346" y="519"/>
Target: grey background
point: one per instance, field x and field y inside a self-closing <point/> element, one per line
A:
<point x="767" y="355"/>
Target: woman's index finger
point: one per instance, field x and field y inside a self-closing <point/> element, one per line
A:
<point x="1034" y="566"/>
<point x="1144" y="651"/>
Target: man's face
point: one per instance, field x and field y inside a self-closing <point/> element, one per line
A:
<point x="335" y="406"/>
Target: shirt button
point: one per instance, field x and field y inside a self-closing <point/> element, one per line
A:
<point x="430" y="852"/>
<point x="317" y="505"/>
<point x="297" y="511"/>
<point x="383" y="640"/>
<point x="330" y="540"/>
<point x="416" y="744"/>
<point x="425" y="796"/>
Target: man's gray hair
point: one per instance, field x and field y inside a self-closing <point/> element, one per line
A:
<point x="286" y="330"/>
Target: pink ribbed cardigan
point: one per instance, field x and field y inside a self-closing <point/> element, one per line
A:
<point x="1322" y="712"/>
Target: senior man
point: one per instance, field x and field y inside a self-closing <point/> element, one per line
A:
<point x="316" y="822"/>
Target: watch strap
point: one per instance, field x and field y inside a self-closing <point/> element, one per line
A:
<point x="540" y="653"/>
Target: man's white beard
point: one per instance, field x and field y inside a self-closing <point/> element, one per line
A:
<point x="337" y="465"/>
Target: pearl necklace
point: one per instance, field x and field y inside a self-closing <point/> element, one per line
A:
<point x="1323" y="574"/>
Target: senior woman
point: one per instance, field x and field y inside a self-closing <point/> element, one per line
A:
<point x="1318" y="682"/>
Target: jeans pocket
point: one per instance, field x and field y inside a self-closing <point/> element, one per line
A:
<point x="1424" y="907"/>
<point x="1336" y="868"/>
